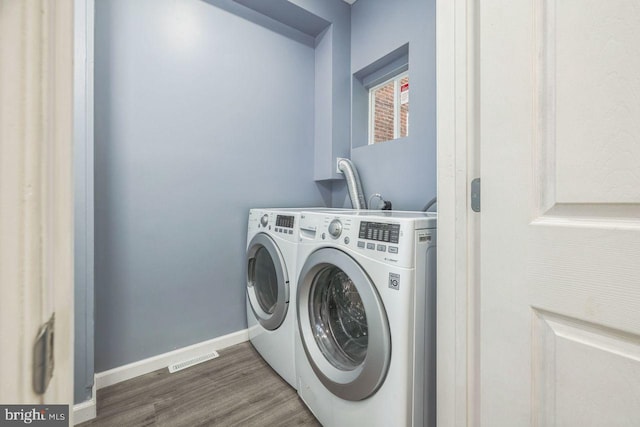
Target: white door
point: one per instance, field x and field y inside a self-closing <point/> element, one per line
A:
<point x="560" y="242"/>
<point x="36" y="197"/>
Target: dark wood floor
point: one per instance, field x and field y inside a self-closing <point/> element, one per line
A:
<point x="236" y="389"/>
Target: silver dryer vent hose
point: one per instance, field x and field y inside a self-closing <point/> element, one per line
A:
<point x="353" y="184"/>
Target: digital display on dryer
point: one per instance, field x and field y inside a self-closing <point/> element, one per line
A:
<point x="284" y="221"/>
<point x="380" y="232"/>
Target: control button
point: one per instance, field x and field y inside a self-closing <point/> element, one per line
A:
<point x="346" y="240"/>
<point x="277" y="230"/>
<point x="335" y="228"/>
<point x="393" y="249"/>
<point x="382" y="248"/>
<point x="371" y="245"/>
<point x="290" y="231"/>
<point x="324" y="236"/>
<point x="264" y="220"/>
<point x="361" y="245"/>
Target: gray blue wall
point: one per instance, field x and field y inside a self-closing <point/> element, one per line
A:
<point x="199" y="116"/>
<point x="404" y="170"/>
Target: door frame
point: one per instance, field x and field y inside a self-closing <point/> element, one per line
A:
<point x="456" y="127"/>
<point x="36" y="194"/>
<point x="458" y="227"/>
<point x="84" y="384"/>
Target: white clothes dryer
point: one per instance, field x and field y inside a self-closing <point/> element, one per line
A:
<point x="272" y="238"/>
<point x="365" y="347"/>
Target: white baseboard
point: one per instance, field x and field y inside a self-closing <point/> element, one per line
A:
<point x="86" y="410"/>
<point x="135" y="369"/>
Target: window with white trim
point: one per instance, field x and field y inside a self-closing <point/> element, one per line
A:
<point x="389" y="109"/>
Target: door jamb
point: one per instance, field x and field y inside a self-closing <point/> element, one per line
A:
<point x="458" y="227"/>
<point x="36" y="194"/>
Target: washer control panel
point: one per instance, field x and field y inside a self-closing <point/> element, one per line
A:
<point x="381" y="232"/>
<point x="373" y="238"/>
<point x="389" y="240"/>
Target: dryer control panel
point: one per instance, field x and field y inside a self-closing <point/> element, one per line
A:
<point x="277" y="224"/>
<point x="285" y="221"/>
<point x="284" y="224"/>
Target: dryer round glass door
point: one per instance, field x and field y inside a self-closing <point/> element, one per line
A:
<point x="343" y="325"/>
<point x="267" y="282"/>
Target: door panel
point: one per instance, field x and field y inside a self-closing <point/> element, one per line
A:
<point x="560" y="221"/>
<point x="594" y="50"/>
<point x="576" y="364"/>
<point x="588" y="90"/>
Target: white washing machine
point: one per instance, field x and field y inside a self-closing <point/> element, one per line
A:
<point x="365" y="348"/>
<point x="272" y="240"/>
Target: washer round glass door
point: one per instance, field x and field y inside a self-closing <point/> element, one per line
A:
<point x="343" y="325"/>
<point x="267" y="282"/>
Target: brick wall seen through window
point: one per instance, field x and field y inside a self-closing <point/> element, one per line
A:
<point x="384" y="99"/>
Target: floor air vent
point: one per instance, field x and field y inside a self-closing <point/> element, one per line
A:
<point x="193" y="361"/>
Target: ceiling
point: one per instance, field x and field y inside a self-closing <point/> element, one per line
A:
<point x="350" y="1"/>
